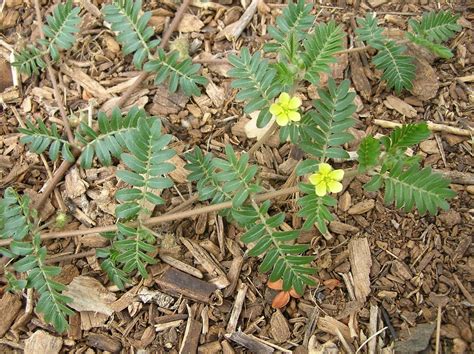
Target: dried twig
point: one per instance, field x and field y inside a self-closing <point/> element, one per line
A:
<point x="436" y="127"/>
<point x="174" y="216"/>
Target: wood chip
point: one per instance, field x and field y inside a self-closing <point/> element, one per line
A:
<point x="179" y="174"/>
<point x="181" y="266"/>
<point x="42" y="342"/>
<point x="192" y="334"/>
<point x="88" y="294"/>
<point x="250" y="342"/>
<point x="203" y="258"/>
<point x="233" y="31"/>
<point x="103" y="342"/>
<point x="361" y="261"/>
<point x="362" y="207"/>
<point x="330" y="325"/>
<point x="360" y="80"/>
<point x="178" y="283"/>
<point x="88" y="83"/>
<point x="165" y="103"/>
<point x="426" y="83"/>
<point x="237" y="308"/>
<point x="341" y="228"/>
<point x="279" y="328"/>
<point x="75" y="186"/>
<point x="190" y="23"/>
<point x="10" y="306"/>
<point x="400" y="106"/>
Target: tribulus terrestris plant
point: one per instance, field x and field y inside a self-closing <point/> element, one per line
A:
<point x="301" y="50"/>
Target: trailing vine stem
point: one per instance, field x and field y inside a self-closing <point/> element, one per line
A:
<point x="173" y="216"/>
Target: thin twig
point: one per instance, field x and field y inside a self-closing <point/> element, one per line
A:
<point x="159" y="219"/>
<point x="52" y="78"/>
<point x="172" y="216"/>
<point x="56" y="259"/>
<point x="435" y="127"/>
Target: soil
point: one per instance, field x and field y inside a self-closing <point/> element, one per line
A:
<point x="403" y="279"/>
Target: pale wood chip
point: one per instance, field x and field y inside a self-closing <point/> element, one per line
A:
<point x="361" y="261"/>
<point x="42" y="342"/>
<point x="88" y="294"/>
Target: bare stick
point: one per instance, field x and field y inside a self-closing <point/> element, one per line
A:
<point x="172" y="217"/>
<point x="431" y="126"/>
<point x="52" y="78"/>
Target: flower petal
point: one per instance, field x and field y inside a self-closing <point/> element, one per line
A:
<point x="282" y="119"/>
<point x="294" y="103"/>
<point x="275" y="109"/>
<point x="334" y="187"/>
<point x="314" y="178"/>
<point x="321" y="189"/>
<point x="337" y="175"/>
<point x="294" y="116"/>
<point x="324" y="168"/>
<point x="281" y="299"/>
<point x="284" y="99"/>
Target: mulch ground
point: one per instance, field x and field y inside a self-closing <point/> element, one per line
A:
<point x="418" y="294"/>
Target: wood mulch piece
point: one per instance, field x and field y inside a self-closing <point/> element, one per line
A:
<point x="387" y="279"/>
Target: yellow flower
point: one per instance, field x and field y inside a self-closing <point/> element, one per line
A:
<point x="285" y="109"/>
<point x="327" y="180"/>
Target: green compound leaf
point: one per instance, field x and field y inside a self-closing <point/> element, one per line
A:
<point x="40" y="138"/>
<point x="203" y="172"/>
<point x="110" y="266"/>
<point x="16" y="220"/>
<point x="133" y="31"/>
<point x="263" y="231"/>
<point x="61" y="28"/>
<point x="315" y="209"/>
<point x="412" y="187"/>
<point x="405" y="136"/>
<point x="398" y="69"/>
<point x="368" y="152"/>
<point x="60" y="34"/>
<point x="131" y="251"/>
<point x="255" y="80"/>
<point x="179" y="74"/>
<point x="436" y="27"/>
<point x="109" y="140"/>
<point x="331" y="120"/>
<point x="235" y="176"/>
<point x="14" y="216"/>
<point x="320" y="49"/>
<point x="436" y="48"/>
<point x="147" y="163"/>
<point x="369" y="31"/>
<point x="30" y="61"/>
<point x="293" y="23"/>
<point x="232" y="178"/>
